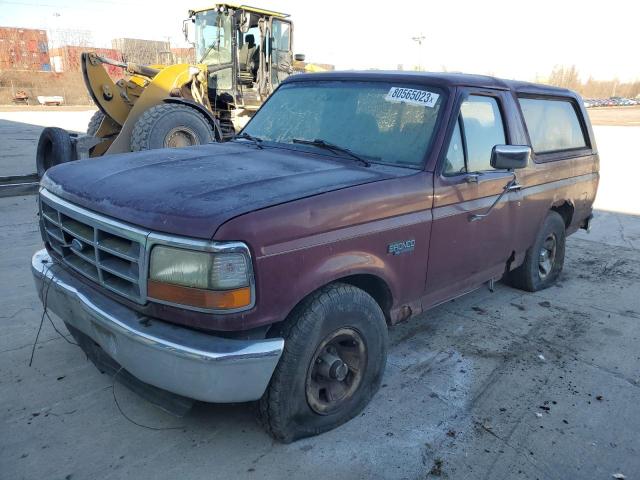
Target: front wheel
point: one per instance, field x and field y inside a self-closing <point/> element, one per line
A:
<point x="94" y="123"/>
<point x="334" y="357"/>
<point x="170" y="126"/>
<point x="544" y="260"/>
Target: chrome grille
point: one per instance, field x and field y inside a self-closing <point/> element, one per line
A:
<point x="108" y="252"/>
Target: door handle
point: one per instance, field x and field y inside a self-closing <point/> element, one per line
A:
<point x="514" y="188"/>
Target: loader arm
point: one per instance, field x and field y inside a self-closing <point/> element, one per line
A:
<point x="103" y="91"/>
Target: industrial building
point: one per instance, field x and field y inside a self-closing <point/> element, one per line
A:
<point x="24" y="49"/>
<point x="145" y="52"/>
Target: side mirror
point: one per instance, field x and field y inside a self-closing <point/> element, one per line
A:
<point x="187" y="30"/>
<point x="299" y="57"/>
<point x="510" y="157"/>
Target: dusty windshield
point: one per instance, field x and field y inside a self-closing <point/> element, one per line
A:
<point x="213" y="37"/>
<point x="382" y="122"/>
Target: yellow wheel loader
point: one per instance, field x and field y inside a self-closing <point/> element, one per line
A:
<point x="241" y="55"/>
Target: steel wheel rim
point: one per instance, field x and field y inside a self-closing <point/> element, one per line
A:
<point x="181" y="137"/>
<point x="336" y="370"/>
<point x="547" y="257"/>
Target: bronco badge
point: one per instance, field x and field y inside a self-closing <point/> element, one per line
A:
<point x="406" y="246"/>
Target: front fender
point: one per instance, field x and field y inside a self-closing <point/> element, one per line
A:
<point x="347" y="264"/>
<point x="215" y="125"/>
<point x="289" y="272"/>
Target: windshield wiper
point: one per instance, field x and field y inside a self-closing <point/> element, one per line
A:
<point x="256" y="141"/>
<point x="318" y="142"/>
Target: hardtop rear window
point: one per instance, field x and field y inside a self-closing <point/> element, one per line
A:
<point x="383" y="122"/>
<point x="553" y="124"/>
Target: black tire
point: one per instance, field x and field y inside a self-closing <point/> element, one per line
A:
<point x="94" y="123"/>
<point x="531" y="275"/>
<point x="160" y="123"/>
<point x="54" y="148"/>
<point x="285" y="408"/>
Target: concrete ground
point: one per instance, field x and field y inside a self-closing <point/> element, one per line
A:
<point x="20" y="130"/>
<point x="496" y="385"/>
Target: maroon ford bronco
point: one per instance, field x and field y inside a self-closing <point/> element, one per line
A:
<point x="269" y="268"/>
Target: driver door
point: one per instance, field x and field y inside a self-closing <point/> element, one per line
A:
<point x="466" y="252"/>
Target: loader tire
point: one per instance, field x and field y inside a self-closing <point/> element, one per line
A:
<point x="170" y="126"/>
<point x="54" y="148"/>
<point x="94" y="123"/>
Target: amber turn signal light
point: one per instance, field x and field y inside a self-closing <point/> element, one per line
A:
<point x="196" y="297"/>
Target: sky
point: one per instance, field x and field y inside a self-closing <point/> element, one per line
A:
<point x="506" y="38"/>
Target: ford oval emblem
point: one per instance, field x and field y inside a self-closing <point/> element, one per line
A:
<point x="77" y="245"/>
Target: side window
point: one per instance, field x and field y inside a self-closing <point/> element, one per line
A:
<point x="281" y="33"/>
<point x="483" y="129"/>
<point x="553" y="125"/>
<point x="478" y="129"/>
<point x="280" y="50"/>
<point x="454" y="161"/>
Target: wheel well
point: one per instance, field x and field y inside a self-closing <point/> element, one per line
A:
<point x="371" y="284"/>
<point x="566" y="212"/>
<point x="374" y="286"/>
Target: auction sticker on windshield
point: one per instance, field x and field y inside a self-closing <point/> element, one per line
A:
<point x="414" y="97"/>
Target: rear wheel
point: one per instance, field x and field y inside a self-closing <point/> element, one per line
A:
<point x="333" y="361"/>
<point x="544" y="260"/>
<point x="170" y="126"/>
<point x="95" y="122"/>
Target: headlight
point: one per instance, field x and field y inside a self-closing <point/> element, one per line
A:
<point x="212" y="271"/>
<point x="205" y="280"/>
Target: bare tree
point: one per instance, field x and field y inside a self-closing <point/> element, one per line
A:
<point x="566" y="77"/>
<point x="569" y="77"/>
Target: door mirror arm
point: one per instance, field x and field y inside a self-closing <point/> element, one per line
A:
<point x="509" y="187"/>
<point x="505" y="157"/>
<point x="472" y="177"/>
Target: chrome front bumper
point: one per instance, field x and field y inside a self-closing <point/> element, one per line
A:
<point x="183" y="361"/>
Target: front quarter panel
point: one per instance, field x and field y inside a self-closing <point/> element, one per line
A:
<point x="300" y="246"/>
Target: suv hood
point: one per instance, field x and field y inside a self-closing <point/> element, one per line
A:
<point x="192" y="191"/>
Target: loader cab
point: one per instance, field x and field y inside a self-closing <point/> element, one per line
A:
<point x="247" y="52"/>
